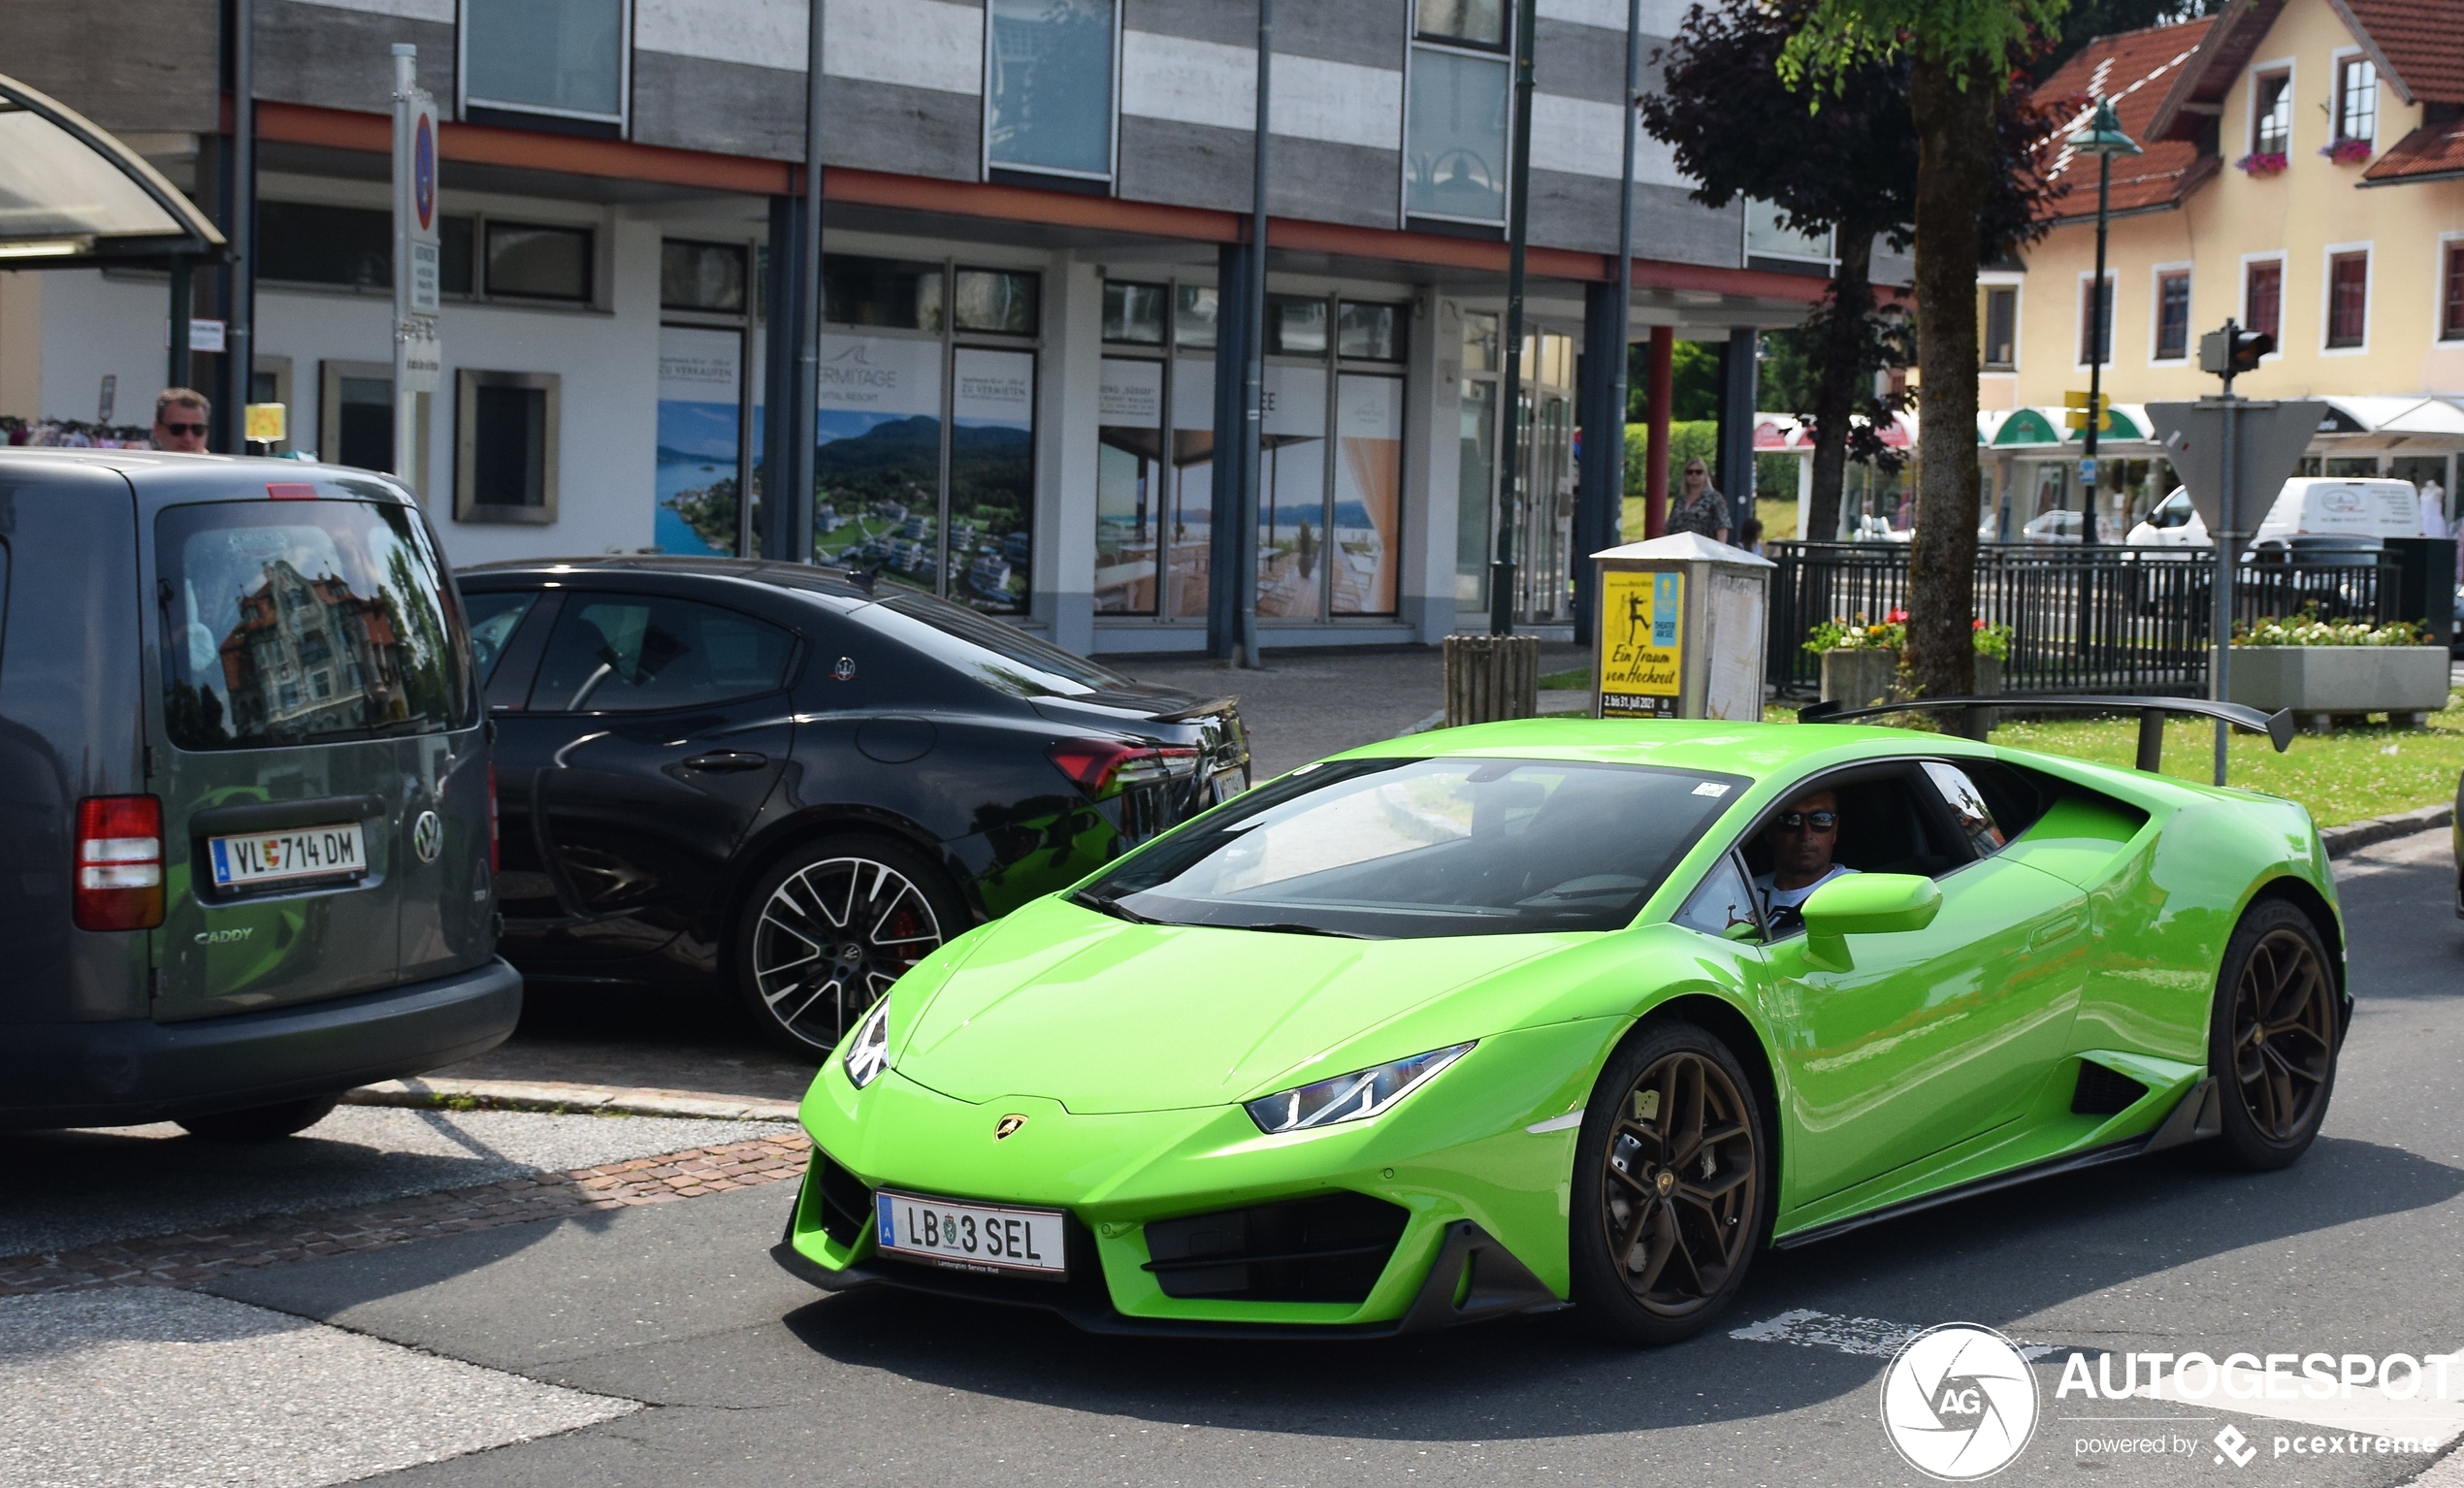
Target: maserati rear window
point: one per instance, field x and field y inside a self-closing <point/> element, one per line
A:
<point x="1383" y="849"/>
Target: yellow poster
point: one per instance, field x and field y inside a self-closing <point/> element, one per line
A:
<point x="1641" y="649"/>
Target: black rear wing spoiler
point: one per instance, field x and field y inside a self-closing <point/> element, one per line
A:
<point x="2276" y="725"/>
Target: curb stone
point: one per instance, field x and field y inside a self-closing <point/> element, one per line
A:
<point x="562" y="1096"/>
<point x="2346" y="840"/>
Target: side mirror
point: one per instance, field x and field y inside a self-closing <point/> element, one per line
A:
<point x="1865" y="904"/>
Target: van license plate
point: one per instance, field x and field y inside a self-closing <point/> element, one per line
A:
<point x="287" y="857"/>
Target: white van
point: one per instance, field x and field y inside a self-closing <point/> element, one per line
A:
<point x="2354" y="507"/>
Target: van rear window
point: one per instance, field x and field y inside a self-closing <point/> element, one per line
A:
<point x="306" y="622"/>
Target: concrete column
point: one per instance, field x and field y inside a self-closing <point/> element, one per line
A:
<point x="784" y="423"/>
<point x="1600" y="488"/>
<point x="1659" y="393"/>
<point x="1735" y="469"/>
<point x="1068" y="383"/>
<point x="1432" y="467"/>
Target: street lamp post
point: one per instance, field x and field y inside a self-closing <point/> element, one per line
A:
<point x="2103" y="139"/>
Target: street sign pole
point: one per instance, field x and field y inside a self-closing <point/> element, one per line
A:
<point x="417" y="265"/>
<point x="2228" y="552"/>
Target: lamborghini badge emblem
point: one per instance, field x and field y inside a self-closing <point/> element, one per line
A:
<point x="1007" y="1125"/>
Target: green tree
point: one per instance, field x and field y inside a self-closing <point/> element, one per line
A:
<point x="1962" y="57"/>
<point x="1694" y="382"/>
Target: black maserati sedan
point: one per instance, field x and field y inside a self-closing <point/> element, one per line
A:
<point x="776" y="779"/>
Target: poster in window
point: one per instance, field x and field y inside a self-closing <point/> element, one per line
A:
<point x="877" y="468"/>
<point x="1191" y="540"/>
<point x="1368" y="492"/>
<point x="695" y="475"/>
<point x="991" y="479"/>
<point x="1291" y="534"/>
<point x="1128" y="485"/>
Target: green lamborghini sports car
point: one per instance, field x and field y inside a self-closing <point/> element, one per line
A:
<point x="1583" y="1012"/>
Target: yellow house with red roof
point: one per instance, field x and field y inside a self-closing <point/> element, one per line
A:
<point x="2304" y="174"/>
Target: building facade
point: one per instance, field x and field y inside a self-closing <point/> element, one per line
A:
<point x="1030" y="205"/>
<point x="2303" y="175"/>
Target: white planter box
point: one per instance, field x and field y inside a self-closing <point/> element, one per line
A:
<point x="2333" y="680"/>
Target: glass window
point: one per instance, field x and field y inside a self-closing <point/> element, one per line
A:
<point x="494" y="618"/>
<point x="2347" y="298"/>
<point x="1295" y="328"/>
<point x="1189" y="557"/>
<point x="1479" y="342"/>
<point x="303" y="622"/>
<point x="1454" y="155"/>
<point x="1291" y="528"/>
<point x="308" y="243"/>
<point x="877" y="472"/>
<point x="1049" y="86"/>
<point x="2263" y="297"/>
<point x="2095" y="321"/>
<point x="539" y="263"/>
<point x="997" y="301"/>
<point x="1000" y="656"/>
<point x="2451" y="303"/>
<point x="1193" y="317"/>
<point x="555" y="56"/>
<point x="701" y="277"/>
<point x="2001" y="327"/>
<point x="638" y="653"/>
<point x="457" y="252"/>
<point x="1368" y="494"/>
<point x="1767" y="234"/>
<point x="1478" y="22"/>
<point x="1724" y="903"/>
<point x="1371" y="332"/>
<point x="2272" y="115"/>
<point x="1407" y="848"/>
<point x="1968" y="806"/>
<point x="897" y="293"/>
<point x="991" y="479"/>
<point x="2358" y="100"/>
<point x="364" y="422"/>
<point x="508" y="456"/>
<point x="2173" y="315"/>
<point x="1476" y="476"/>
<point x="1135" y="312"/>
<point x="1128" y="484"/>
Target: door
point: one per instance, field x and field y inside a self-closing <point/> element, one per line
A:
<point x="1936" y="1035"/>
<point x="653" y="731"/>
<point x="315" y="704"/>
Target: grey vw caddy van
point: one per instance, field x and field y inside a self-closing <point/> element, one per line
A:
<point x="245" y="812"/>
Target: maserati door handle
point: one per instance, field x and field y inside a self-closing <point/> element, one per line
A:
<point x="725" y="760"/>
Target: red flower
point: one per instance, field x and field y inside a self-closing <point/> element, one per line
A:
<point x="1976" y="625"/>
<point x="1896" y="617"/>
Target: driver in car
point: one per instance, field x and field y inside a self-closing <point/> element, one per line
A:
<point x="1802" y="839"/>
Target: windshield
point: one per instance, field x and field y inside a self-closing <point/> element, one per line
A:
<point x="993" y="653"/>
<point x="1409" y="848"/>
<point x="290" y="622"/>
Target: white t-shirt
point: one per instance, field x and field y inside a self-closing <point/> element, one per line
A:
<point x="1776" y="899"/>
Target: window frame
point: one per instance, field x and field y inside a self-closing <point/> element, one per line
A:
<point x="993" y="171"/>
<point x="2249" y="261"/>
<point x="2446" y="288"/>
<point x="1415" y="44"/>
<point x="483" y="246"/>
<point x="465" y="102"/>
<point x="2158" y="277"/>
<point x="2345" y="59"/>
<point x="1988" y="287"/>
<point x="2328" y="259"/>
<point x="2259" y="76"/>
<point x="466" y="505"/>
<point x="2112" y="283"/>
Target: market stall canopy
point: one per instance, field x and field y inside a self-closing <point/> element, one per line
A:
<point x="72" y="196"/>
<point x="2026" y="426"/>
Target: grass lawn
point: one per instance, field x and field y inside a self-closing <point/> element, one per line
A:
<point x="2350" y="775"/>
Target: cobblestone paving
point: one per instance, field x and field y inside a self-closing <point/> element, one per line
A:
<point x="186" y="1259"/>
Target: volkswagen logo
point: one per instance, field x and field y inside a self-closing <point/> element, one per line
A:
<point x="1958" y="1402"/>
<point x="427" y="836"/>
<point x="1007" y="1125"/>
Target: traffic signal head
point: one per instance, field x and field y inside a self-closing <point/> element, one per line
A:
<point x="2233" y="350"/>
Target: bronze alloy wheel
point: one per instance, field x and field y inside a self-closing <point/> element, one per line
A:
<point x="2283" y="1034"/>
<point x="1678" y="1185"/>
<point x="832" y="936"/>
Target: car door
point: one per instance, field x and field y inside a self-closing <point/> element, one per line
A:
<point x="1934" y="1036"/>
<point x="654" y="728"/>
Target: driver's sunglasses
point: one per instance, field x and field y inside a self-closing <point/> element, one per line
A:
<point x="196" y="429"/>
<point x="1800" y="821"/>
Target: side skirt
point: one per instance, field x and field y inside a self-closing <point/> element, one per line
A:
<point x="2195" y="1117"/>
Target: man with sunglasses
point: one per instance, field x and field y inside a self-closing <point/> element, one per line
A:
<point x="180" y="420"/>
<point x="1801" y="840"/>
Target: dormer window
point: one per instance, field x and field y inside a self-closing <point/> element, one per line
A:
<point x="2358" y="100"/>
<point x="2272" y="114"/>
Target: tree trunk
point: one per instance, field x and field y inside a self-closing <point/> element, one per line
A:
<point x="1954" y="172"/>
<point x="1836" y="378"/>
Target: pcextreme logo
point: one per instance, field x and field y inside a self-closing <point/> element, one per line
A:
<point x="1958" y="1402"/>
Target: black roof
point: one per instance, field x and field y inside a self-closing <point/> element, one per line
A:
<point x="834" y="582"/>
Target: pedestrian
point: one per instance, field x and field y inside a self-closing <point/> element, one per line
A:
<point x="180" y="420"/>
<point x="1698" y="509"/>
<point x="1750" y="536"/>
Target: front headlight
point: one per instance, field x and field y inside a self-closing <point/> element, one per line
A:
<point x="1354" y="1098"/>
<point x="870" y="1054"/>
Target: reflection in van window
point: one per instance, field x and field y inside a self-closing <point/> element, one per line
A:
<point x="306" y="622"/>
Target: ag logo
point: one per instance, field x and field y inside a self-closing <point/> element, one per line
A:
<point x="1958" y="1402"/>
<point x="427" y="836"/>
<point x="1007" y="1125"/>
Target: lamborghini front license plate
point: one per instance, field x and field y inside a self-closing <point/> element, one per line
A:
<point x="970" y="1237"/>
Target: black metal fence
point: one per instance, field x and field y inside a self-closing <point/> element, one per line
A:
<point x="2101" y="619"/>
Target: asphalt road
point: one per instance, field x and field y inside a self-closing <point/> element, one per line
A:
<point x="696" y="1362"/>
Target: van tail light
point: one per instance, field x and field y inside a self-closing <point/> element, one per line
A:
<point x="1106" y="767"/>
<point x="119" y="862"/>
<point x="496" y="852"/>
